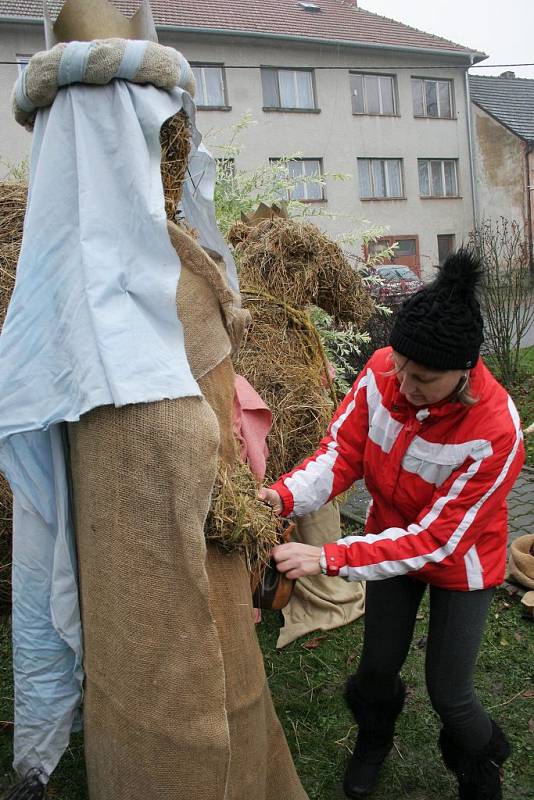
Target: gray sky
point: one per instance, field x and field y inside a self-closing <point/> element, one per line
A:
<point x="503" y="30"/>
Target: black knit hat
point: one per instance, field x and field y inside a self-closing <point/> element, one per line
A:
<point x="441" y="325"/>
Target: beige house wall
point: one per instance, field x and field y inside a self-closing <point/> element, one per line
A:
<point x="334" y="134"/>
<point x="500" y="169"/>
<point x="15" y="142"/>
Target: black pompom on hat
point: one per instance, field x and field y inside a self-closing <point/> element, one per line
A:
<point x="441" y="325"/>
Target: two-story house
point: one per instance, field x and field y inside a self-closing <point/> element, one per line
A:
<point x="348" y="91"/>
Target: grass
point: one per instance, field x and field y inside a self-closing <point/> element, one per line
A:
<point x="523" y="394"/>
<point x="306" y="679"/>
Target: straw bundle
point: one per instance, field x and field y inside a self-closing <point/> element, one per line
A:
<point x="175" y="140"/>
<point x="282" y="360"/>
<point x="297" y="262"/>
<point x="286" y="267"/>
<point x="238" y="521"/>
<point x="12" y="208"/>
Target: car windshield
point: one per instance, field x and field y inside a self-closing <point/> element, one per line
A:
<point x="397" y="274"/>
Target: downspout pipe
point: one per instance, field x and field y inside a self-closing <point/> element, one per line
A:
<point x="529" y="149"/>
<point x="472" y="165"/>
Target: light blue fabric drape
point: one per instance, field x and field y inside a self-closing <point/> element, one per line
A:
<point x="92" y="322"/>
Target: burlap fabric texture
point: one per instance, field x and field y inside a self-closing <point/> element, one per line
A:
<point x="521" y="562"/>
<point x="161" y="66"/>
<point x="176" y="702"/>
<point x="320" y="603"/>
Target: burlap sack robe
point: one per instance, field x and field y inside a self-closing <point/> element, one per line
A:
<point x="176" y="705"/>
<point x="320" y="602"/>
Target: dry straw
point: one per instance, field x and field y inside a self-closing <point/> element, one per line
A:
<point x="12" y="208"/>
<point x="297" y="262"/>
<point x="175" y="140"/>
<point x="285" y="267"/>
<point x="238" y="521"/>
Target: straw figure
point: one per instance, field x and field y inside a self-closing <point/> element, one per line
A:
<point x="237" y="524"/>
<point x="176" y="701"/>
<point x="287" y="266"/>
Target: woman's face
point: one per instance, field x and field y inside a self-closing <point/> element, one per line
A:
<point x="422" y="386"/>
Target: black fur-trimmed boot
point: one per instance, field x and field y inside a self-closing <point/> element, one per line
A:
<point x="478" y="771"/>
<point x="376" y="726"/>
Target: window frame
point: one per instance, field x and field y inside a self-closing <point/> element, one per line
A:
<point x="363" y="74"/>
<point x="290" y="109"/>
<point x="441" y="161"/>
<point x="386" y="181"/>
<point x="322" y="186"/>
<point x="426" y="115"/>
<point x="220" y="66"/>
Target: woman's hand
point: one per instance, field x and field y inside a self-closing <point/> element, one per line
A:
<point x="297" y="560"/>
<point x="272" y="499"/>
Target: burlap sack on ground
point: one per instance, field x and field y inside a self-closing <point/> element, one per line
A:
<point x="177" y="705"/>
<point x="521" y="563"/>
<point x="161" y="66"/>
<point x="320" y="602"/>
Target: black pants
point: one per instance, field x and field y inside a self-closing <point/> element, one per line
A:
<point x="457" y="621"/>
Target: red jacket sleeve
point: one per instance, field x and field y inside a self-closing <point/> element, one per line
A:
<point x="451" y="523"/>
<point x="337" y="462"/>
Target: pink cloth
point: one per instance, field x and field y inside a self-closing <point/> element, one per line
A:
<point x="252" y="423"/>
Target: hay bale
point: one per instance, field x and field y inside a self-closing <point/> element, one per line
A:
<point x="12" y="209"/>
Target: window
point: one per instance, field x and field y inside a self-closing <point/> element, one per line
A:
<point x="432" y="98"/>
<point x="445" y="247"/>
<point x="288" y="89"/>
<point x="438" y="178"/>
<point x="211" y="88"/>
<point x="303" y="171"/>
<point x="22" y="61"/>
<point x="372" y="94"/>
<point x="380" y="178"/>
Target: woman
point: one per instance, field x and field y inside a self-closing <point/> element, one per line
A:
<point x="439" y="445"/>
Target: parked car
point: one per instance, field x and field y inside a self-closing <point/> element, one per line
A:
<point x="395" y="283"/>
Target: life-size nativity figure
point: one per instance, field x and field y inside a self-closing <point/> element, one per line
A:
<point x="115" y="412"/>
<point x="288" y="266"/>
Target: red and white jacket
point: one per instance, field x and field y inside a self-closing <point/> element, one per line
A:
<point x="438" y="478"/>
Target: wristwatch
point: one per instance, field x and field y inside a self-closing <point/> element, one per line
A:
<point x="329" y="567"/>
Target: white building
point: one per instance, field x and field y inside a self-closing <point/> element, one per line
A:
<point x="350" y="91"/>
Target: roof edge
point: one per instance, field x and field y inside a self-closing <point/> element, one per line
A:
<point x="478" y="104"/>
<point x="473" y="55"/>
<point x="470" y="54"/>
<point x="22" y="20"/>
